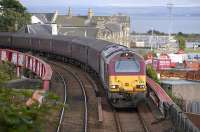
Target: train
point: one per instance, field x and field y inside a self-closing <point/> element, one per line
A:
<point x="120" y="69"/>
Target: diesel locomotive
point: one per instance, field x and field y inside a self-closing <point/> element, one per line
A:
<point x="120" y="69"/>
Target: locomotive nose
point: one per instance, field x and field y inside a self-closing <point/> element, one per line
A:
<point x="128" y="84"/>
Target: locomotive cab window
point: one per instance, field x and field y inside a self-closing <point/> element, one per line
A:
<point x="127" y="66"/>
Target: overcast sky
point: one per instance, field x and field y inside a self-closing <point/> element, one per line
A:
<point x="109" y="2"/>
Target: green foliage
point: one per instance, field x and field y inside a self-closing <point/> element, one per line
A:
<point x="12" y="116"/>
<point x="150" y="52"/>
<point x="16" y="117"/>
<point x="13" y="15"/>
<point x="181" y="41"/>
<point x="27" y="73"/>
<point x="53" y="96"/>
<point x="156" y="32"/>
<point x="177" y="100"/>
<point x="152" y="73"/>
<point x="188" y="50"/>
<point x="189" y="37"/>
<point x="7" y="72"/>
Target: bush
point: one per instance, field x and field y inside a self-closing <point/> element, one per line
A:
<point x="152" y="73"/>
<point x="16" y="117"/>
<point x="181" y="41"/>
<point x="177" y="100"/>
<point x="7" y="72"/>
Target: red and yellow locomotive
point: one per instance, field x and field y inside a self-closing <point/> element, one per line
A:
<point x="124" y="77"/>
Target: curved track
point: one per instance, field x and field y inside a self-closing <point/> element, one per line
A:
<point x="94" y="120"/>
<point x="82" y="94"/>
<point x="64" y="102"/>
<point x="76" y="117"/>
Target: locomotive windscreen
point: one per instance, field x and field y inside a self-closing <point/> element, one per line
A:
<point x="127" y="66"/>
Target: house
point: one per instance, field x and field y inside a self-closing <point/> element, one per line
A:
<point x="114" y="28"/>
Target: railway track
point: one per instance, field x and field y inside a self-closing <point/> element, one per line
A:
<point x="76" y="117"/>
<point x="126" y="121"/>
<point x="64" y="102"/>
<point x="95" y="114"/>
<point x="113" y="120"/>
<point x="129" y="121"/>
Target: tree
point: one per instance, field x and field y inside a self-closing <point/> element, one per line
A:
<point x="13" y="15"/>
<point x="180" y="34"/>
<point x="181" y="41"/>
<point x="152" y="73"/>
<point x="156" y="32"/>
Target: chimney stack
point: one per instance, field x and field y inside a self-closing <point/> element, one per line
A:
<point x="90" y="13"/>
<point x="54" y="17"/>
<point x="54" y="30"/>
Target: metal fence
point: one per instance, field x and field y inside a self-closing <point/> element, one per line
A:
<point x="192" y="107"/>
<point x="180" y="120"/>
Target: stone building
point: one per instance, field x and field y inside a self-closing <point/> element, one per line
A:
<point x="110" y="28"/>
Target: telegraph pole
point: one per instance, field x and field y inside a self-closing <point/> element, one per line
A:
<point x="170" y="6"/>
<point x="151" y="38"/>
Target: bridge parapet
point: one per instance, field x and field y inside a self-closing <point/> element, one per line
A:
<point x="169" y="108"/>
<point x="36" y="65"/>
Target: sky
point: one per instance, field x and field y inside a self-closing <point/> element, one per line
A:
<point x="123" y="3"/>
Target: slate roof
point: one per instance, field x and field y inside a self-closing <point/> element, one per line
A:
<point x="78" y="31"/>
<point x="42" y="29"/>
<point x="73" y="21"/>
<point x="115" y="18"/>
<point x="82" y="21"/>
<point x="44" y="17"/>
<point x="78" y="25"/>
<point x="113" y="27"/>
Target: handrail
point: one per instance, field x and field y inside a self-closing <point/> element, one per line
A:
<point x="169" y="108"/>
<point x="36" y="65"/>
<point x="159" y="91"/>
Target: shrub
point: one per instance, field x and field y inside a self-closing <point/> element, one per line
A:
<point x="7" y="72"/>
<point x="151" y="72"/>
<point x="181" y="42"/>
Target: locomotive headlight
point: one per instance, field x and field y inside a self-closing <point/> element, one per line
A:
<point x="114" y="86"/>
<point x="140" y="86"/>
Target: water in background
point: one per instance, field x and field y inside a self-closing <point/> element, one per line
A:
<point x="185" y="19"/>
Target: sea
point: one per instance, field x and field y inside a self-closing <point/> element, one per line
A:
<point x="143" y="19"/>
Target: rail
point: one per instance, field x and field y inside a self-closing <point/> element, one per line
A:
<point x="85" y="124"/>
<point x="22" y="60"/>
<point x="169" y="108"/>
<point x="117" y="121"/>
<point x="85" y="103"/>
<point x="144" y="124"/>
<point x="64" y="102"/>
